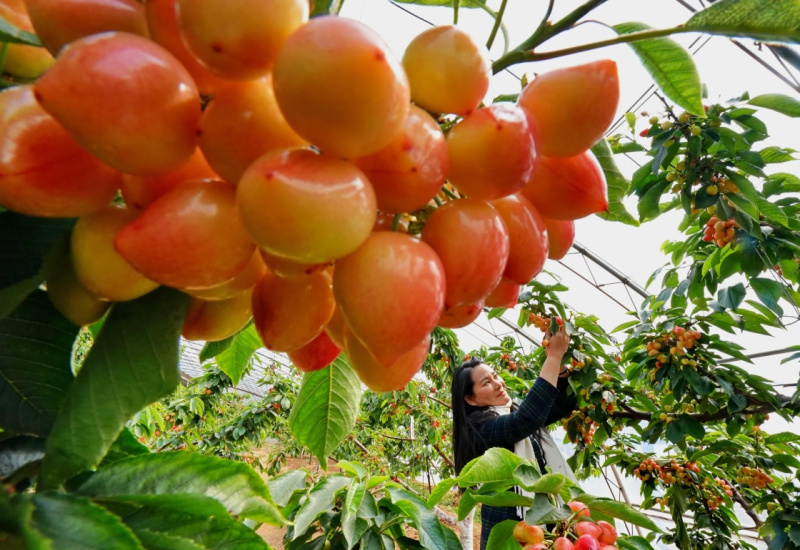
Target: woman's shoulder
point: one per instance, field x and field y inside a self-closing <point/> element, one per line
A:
<point x="481" y="416"/>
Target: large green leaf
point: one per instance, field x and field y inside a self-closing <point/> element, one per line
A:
<point x="74" y="522"/>
<point x="671" y="67"/>
<point x="10" y="33"/>
<point x="776" y="20"/>
<point x="501" y="537"/>
<point x="24" y="243"/>
<point x="503" y="498"/>
<point x="133" y="362"/>
<point x="431" y="532"/>
<point x="783" y="104"/>
<point x="218" y="532"/>
<point x="441" y="490"/>
<point x="125" y="446"/>
<point x="616" y="183"/>
<point x="189" y="504"/>
<point x="283" y="486"/>
<point x="496" y="464"/>
<point x="234" y="484"/>
<point x="320" y="499"/>
<point x="155" y="540"/>
<point x="731" y="297"/>
<point x="769" y="292"/>
<point x="326" y="409"/>
<point x="620" y="510"/>
<point x="35" y="365"/>
<point x="16" y="511"/>
<point x="352" y="503"/>
<point x="236" y="357"/>
<point x="542" y="511"/>
<point x="634" y="543"/>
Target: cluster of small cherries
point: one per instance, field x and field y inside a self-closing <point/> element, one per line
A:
<point x="719" y="232"/>
<point x="264" y="158"/>
<point x="580" y="532"/>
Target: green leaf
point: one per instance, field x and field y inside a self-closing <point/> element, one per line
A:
<point x="648" y="204"/>
<point x="133" y="362"/>
<point x="209" y="532"/>
<point x="502" y="498"/>
<point x="542" y="512"/>
<point x="35" y="365"/>
<point x="125" y="446"/>
<point x="624" y="512"/>
<point x="236" y="357"/>
<point x="616" y="183"/>
<point x="320" y="499"/>
<point x="783" y="104"/>
<point x="24" y="244"/>
<point x="496" y="464"/>
<point x="212" y="349"/>
<point x="744" y="205"/>
<point x="326" y="7"/>
<point x="75" y="522"/>
<point x="772" y="212"/>
<point x="501" y="537"/>
<point x="775" y="20"/>
<point x="234" y="484"/>
<point x="441" y="489"/>
<point x="691" y="426"/>
<point x="283" y="486"/>
<point x="674" y="432"/>
<point x="465" y="504"/>
<point x="154" y="540"/>
<point x="188" y="504"/>
<point x="774" y="155"/>
<point x="737" y="403"/>
<point x="732" y="296"/>
<point x="352" y="502"/>
<point x="548" y="483"/>
<point x="326" y="409"/>
<point x="769" y="292"/>
<point x="431" y="532"/>
<point x="671" y="67"/>
<point x="634" y="543"/>
<point x="16" y="511"/>
<point x="10" y="33"/>
<point x="782" y="437"/>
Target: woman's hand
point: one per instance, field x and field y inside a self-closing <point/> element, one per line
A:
<point x="558" y="345"/>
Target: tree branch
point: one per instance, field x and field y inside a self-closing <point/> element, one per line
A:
<point x="360" y="445"/>
<point x="446" y="458"/>
<point x="738" y="498"/>
<point x="440" y="402"/>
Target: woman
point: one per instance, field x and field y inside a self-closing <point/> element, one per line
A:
<point x="483" y="418"/>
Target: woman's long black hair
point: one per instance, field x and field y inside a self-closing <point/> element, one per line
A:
<point x="465" y="446"/>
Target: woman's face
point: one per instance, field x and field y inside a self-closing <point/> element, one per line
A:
<point x="488" y="389"/>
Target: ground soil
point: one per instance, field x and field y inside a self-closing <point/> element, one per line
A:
<point x="274" y="535"/>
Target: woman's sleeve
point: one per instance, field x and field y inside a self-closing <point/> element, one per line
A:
<point x="506" y="430"/>
<point x="563" y="405"/>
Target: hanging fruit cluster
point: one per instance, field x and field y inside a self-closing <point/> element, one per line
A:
<point x="258" y="153"/>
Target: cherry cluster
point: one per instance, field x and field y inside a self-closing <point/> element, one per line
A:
<point x="755" y="478"/>
<point x="719" y="232"/>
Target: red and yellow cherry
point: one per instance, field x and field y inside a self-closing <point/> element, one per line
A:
<point x="22" y="61"/>
<point x="60" y="22"/>
<point x="239" y="40"/>
<point x="140" y="191"/>
<point x="588" y="528"/>
<point x="567" y="188"/>
<point x="216" y="320"/>
<point x="528" y="534"/>
<point x="587" y="542"/>
<point x="447" y="70"/>
<point x="460" y="316"/>
<point x="384" y="377"/>
<point x="43" y="172"/>
<point x="367" y="285"/>
<point x="609" y="533"/>
<point x="335" y="328"/>
<point x="99" y="268"/>
<point x="317" y="354"/>
<point x="572" y="107"/>
<point x="320" y="207"/>
<point x="246" y="279"/>
<point x="563" y="543"/>
<point x="491" y="152"/>
<point x="471" y="239"/>
<point x="126" y="100"/>
<point x="579" y="508"/>
<point x="537" y="546"/>
<point x="527" y="236"/>
<point x="608" y="547"/>
<point x="505" y="294"/>
<point x="162" y="22"/>
<point x="366" y="96"/>
<point x="408" y="172"/>
<point x="67" y="294"/>
<point x="560" y="236"/>
<point x="241" y="123"/>
<point x="190" y="238"/>
<point x="290" y="313"/>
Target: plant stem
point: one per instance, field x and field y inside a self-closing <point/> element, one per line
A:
<point x="395" y="221"/>
<point x="456" y="4"/>
<point x="526" y="55"/>
<point x="497" y="21"/>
